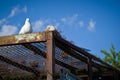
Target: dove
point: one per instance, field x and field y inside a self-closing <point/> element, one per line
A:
<point x="27" y="28"/>
<point x="50" y="28"/>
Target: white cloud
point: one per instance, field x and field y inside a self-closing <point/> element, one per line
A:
<point x="52" y="22"/>
<point x="70" y="20"/>
<point x="64" y="20"/>
<point x="40" y="25"/>
<point x="3" y="21"/>
<point x="17" y="10"/>
<point x="56" y="25"/>
<point x="14" y="12"/>
<point x="8" y="30"/>
<point x="81" y="23"/>
<point x="24" y="9"/>
<point x="91" y="25"/>
<point x="37" y="25"/>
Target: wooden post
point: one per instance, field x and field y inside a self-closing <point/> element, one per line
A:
<point x="50" y="56"/>
<point x="115" y="75"/>
<point x="90" y="68"/>
<point x="100" y="76"/>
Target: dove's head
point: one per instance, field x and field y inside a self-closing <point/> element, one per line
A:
<point x="27" y="20"/>
<point x="50" y="28"/>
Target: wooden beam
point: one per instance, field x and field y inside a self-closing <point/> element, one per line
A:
<point x="43" y="54"/>
<point x="115" y="75"/>
<point x="70" y="45"/>
<point x="23" y="38"/>
<point x="50" y="56"/>
<point x="4" y="59"/>
<point x="80" y="50"/>
<point x="71" y="52"/>
<point x="76" y="55"/>
<point x="90" y="69"/>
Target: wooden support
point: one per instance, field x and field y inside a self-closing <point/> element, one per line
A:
<point x="115" y="75"/>
<point x="100" y="76"/>
<point x="50" y="57"/>
<point x="90" y="68"/>
<point x="68" y="44"/>
<point x="23" y="67"/>
<point x="77" y="55"/>
<point x="22" y="38"/>
<point x="43" y="54"/>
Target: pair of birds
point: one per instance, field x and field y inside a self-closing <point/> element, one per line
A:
<point x="27" y="28"/>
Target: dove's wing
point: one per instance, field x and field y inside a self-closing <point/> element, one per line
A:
<point x="22" y="30"/>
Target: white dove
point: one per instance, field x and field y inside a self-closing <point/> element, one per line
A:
<point x="27" y="28"/>
<point x="50" y="28"/>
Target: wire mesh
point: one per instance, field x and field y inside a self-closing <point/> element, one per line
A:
<point x="22" y="55"/>
<point x="64" y="57"/>
<point x="27" y="57"/>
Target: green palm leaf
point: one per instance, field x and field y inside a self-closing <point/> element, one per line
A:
<point x="105" y="52"/>
<point x="113" y="57"/>
<point x="112" y="50"/>
<point x="119" y="56"/>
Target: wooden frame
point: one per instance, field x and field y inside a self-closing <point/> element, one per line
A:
<point x="52" y="39"/>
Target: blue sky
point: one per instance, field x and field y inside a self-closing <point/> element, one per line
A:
<point x="92" y="24"/>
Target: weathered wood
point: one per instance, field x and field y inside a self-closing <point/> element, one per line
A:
<point x="50" y="56"/>
<point x="66" y="46"/>
<point x="23" y="38"/>
<point x="80" y="50"/>
<point x="76" y="55"/>
<point x="35" y="49"/>
<point x="115" y="75"/>
<point x="71" y="52"/>
<point x="90" y="69"/>
<point x="43" y="54"/>
<point x="18" y="65"/>
<point x="70" y="45"/>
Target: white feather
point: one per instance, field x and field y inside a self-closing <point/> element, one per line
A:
<point x="50" y="28"/>
<point x="27" y="28"/>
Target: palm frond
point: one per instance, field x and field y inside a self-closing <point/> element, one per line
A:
<point x="113" y="52"/>
<point x="105" y="52"/>
<point x="119" y="56"/>
<point x="112" y="57"/>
